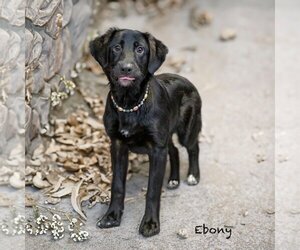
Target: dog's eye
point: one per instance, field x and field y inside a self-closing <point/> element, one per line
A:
<point x="139" y="50"/>
<point x="117" y="48"/>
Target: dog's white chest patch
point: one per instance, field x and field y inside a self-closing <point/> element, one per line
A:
<point x="125" y="132"/>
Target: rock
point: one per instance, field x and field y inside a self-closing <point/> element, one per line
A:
<point x="200" y="18"/>
<point x="245" y="213"/>
<point x="270" y="211"/>
<point x="257" y="136"/>
<point x="260" y="158"/>
<point x="182" y="233"/>
<point x="177" y="63"/>
<point x="16" y="181"/>
<point x="228" y="34"/>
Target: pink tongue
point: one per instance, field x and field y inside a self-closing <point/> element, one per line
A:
<point x="127" y="78"/>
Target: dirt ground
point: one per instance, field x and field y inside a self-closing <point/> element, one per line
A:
<point x="236" y="82"/>
<point x="287" y="126"/>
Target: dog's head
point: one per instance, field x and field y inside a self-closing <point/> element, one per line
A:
<point x="128" y="56"/>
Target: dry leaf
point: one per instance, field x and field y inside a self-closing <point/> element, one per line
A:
<point x="60" y="127"/>
<point x="57" y="184"/>
<point x="87" y="148"/>
<point x="93" y="66"/>
<point x="51" y="176"/>
<point x="80" y="150"/>
<point x="92" y="187"/>
<point x="89" y="196"/>
<point x="104" y="178"/>
<point x="76" y="203"/>
<point x="30" y="201"/>
<point x="94" y="200"/>
<point x="66" y="141"/>
<point x="5" y="201"/>
<point x="71" y="167"/>
<point x="39" y="182"/>
<point x="16" y="181"/>
<point x="73" y="178"/>
<point x="29" y="171"/>
<point x="38" y="152"/>
<point x="93" y="160"/>
<point x="52" y="200"/>
<point x="94" y="123"/>
<point x="52" y="148"/>
<point x="67" y="189"/>
<point x="36" y="162"/>
<point x="72" y="120"/>
<point x="5" y="171"/>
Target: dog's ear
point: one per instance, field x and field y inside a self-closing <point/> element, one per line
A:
<point x="99" y="47"/>
<point x="158" y="52"/>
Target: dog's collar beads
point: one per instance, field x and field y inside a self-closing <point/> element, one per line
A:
<point x="135" y="108"/>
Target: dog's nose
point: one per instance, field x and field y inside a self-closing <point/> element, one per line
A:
<point x="126" y="68"/>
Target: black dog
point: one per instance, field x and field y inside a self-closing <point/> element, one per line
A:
<point x="142" y="112"/>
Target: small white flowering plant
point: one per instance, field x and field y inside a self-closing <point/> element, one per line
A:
<point x="45" y="221"/>
<point x="65" y="89"/>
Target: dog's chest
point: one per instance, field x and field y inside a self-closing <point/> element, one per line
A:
<point x="131" y="125"/>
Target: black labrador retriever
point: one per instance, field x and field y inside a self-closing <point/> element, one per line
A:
<point x="142" y="113"/>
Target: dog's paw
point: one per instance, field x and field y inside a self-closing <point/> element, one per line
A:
<point x="149" y="227"/>
<point x="173" y="184"/>
<point x="111" y="219"/>
<point x="192" y="180"/>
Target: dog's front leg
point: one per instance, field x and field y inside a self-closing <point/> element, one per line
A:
<point x="150" y="222"/>
<point x="119" y="158"/>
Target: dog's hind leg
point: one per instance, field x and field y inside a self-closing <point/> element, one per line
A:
<point x="192" y="147"/>
<point x="173" y="181"/>
<point x="194" y="170"/>
<point x="188" y="131"/>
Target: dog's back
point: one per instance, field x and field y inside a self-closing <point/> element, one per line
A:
<point x="183" y="94"/>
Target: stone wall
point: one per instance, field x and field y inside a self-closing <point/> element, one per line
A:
<point x="12" y="115"/>
<point x="54" y="34"/>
